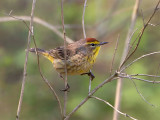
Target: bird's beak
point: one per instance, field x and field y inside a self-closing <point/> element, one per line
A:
<point x="102" y="43"/>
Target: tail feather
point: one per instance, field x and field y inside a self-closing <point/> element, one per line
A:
<point x="43" y="52"/>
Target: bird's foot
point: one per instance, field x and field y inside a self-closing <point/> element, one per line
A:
<point x="90" y="74"/>
<point x="66" y="88"/>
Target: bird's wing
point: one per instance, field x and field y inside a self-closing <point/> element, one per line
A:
<point x="58" y="53"/>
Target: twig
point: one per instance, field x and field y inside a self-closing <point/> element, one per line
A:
<point x="45" y="80"/>
<point x="144" y="80"/>
<point x="101" y="26"/>
<point x="90" y="84"/>
<point x="125" y="51"/>
<point x="141" y="34"/>
<point x="65" y="66"/>
<point x="124" y="114"/>
<point x="142" y="17"/>
<point x="115" y="51"/>
<point x="25" y="64"/>
<point x="114" y="76"/>
<point x="36" y="20"/>
<point x="130" y="46"/>
<point x="83" y="27"/>
<point x="125" y="67"/>
<point x="146" y="75"/>
<point x="140" y="93"/>
<point x="157" y="72"/>
<point x="84" y="35"/>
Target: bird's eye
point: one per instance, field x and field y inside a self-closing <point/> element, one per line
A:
<point x="92" y="44"/>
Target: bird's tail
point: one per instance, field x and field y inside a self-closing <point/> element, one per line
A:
<point x="42" y="52"/>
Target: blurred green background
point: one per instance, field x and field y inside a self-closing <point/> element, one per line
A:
<point x="104" y="20"/>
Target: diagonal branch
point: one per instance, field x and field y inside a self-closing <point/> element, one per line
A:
<point x="140" y="93"/>
<point x="124" y="114"/>
<point x="141" y="33"/>
<point x="125" y="51"/>
<point x="115" y="51"/>
<point x="26" y="61"/>
<point x="125" y="67"/>
<point x="36" y="20"/>
<point x="114" y="76"/>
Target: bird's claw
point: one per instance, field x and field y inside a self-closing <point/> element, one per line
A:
<point x="90" y="74"/>
<point x="66" y="88"/>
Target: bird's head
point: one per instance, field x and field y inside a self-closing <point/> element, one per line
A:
<point x="93" y="43"/>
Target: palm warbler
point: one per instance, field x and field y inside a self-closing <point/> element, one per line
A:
<point x="80" y="56"/>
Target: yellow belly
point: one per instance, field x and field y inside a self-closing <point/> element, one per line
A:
<point x="75" y="66"/>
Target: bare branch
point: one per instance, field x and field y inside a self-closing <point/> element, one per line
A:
<point x="26" y="61"/>
<point x="125" y="51"/>
<point x="140" y="93"/>
<point x="146" y="75"/>
<point x="83" y="27"/>
<point x="142" y="17"/>
<point x="65" y="67"/>
<point x="157" y="71"/>
<point x="115" y="51"/>
<point x="125" y="67"/>
<point x="124" y="114"/>
<point x="114" y="76"/>
<point x="45" y="80"/>
<point x="142" y="32"/>
<point x="144" y="80"/>
<point x="36" y="20"/>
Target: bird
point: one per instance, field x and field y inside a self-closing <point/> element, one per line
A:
<point x="79" y="59"/>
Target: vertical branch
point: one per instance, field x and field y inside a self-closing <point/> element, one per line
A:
<point x="83" y="27"/>
<point x="65" y="80"/>
<point x="26" y="61"/>
<point x="84" y="35"/>
<point x="125" y="51"/>
<point x="115" y="50"/>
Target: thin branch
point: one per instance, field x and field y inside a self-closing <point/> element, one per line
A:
<point x="125" y="51"/>
<point x="124" y="114"/>
<point x="36" y="20"/>
<point x="26" y="61"/>
<point x="115" y="51"/>
<point x="146" y="75"/>
<point x="83" y="26"/>
<point x="101" y="27"/>
<point x="125" y="67"/>
<point x="142" y="17"/>
<point x="65" y="66"/>
<point x="114" y="76"/>
<point x="45" y="80"/>
<point x="131" y="46"/>
<point x="157" y="71"/>
<point x="144" y="80"/>
<point x="90" y="83"/>
<point x="142" y="32"/>
<point x="140" y="93"/>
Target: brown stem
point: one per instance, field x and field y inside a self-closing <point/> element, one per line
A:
<point x="25" y="64"/>
<point x="90" y="94"/>
<point x="125" y="51"/>
<point x="65" y="69"/>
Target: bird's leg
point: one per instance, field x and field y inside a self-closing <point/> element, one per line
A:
<point x="66" y="87"/>
<point x="90" y="74"/>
